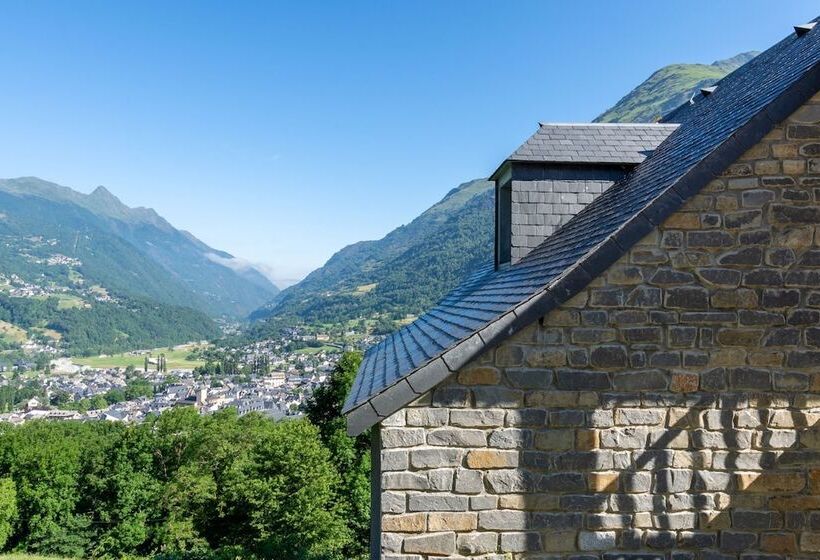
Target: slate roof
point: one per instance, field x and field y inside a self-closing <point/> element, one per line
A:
<point x="494" y="304"/>
<point x="592" y="142"/>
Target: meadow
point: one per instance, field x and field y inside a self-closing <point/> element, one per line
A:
<point x="177" y="358"/>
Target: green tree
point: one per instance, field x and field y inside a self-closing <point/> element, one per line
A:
<point x="46" y="460"/>
<point x="269" y="487"/>
<point x="115" y="396"/>
<point x="60" y="398"/>
<point x="297" y="515"/>
<point x="350" y="455"/>
<point x="182" y="484"/>
<point x="122" y="493"/>
<point x="8" y="509"/>
<point x="138" y="388"/>
<point x="42" y="362"/>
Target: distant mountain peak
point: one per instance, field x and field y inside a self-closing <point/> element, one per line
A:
<point x="101" y="200"/>
<point x="102" y="193"/>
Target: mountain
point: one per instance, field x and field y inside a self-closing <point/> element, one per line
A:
<point x="412" y="267"/>
<point x="668" y="88"/>
<point x="403" y="273"/>
<point x="133" y="251"/>
<point x="91" y="275"/>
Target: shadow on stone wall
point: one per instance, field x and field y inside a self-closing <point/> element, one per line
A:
<point x="750" y="483"/>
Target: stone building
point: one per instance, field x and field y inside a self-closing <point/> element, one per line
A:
<point x="642" y="383"/>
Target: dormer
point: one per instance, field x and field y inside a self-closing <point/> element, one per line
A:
<point x="559" y="170"/>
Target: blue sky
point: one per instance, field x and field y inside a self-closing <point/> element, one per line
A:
<point x="281" y="132"/>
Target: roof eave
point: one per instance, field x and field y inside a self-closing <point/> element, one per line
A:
<point x="500" y="170"/>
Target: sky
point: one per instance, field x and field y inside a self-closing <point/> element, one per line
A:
<point x="283" y="131"/>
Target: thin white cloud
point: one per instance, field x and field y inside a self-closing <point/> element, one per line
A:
<point x="242" y="265"/>
<point x="281" y="281"/>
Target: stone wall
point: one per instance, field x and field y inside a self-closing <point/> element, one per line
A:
<point x="668" y="411"/>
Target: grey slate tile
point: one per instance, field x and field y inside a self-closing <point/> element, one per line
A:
<point x="592" y="142"/>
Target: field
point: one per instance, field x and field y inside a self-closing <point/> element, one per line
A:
<point x="177" y="359"/>
<point x="51" y="333"/>
<point x="67" y="301"/>
<point x="12" y="333"/>
<point x="309" y="350"/>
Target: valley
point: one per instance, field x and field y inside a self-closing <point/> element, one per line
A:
<point x="96" y="297"/>
<point x="409" y="281"/>
<point x="93" y="293"/>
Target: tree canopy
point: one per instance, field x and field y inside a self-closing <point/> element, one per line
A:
<point x="185" y="485"/>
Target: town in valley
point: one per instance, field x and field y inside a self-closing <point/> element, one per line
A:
<point x="273" y="377"/>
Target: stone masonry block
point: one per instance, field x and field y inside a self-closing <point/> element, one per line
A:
<point x="457" y="437"/>
<point x="437" y="502"/>
<point x="477" y="418"/>
<point x="503" y="520"/>
<point x="472" y="544"/>
<point x="435" y="458"/>
<point x="439" y="544"/>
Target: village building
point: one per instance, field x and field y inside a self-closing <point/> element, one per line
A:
<point x="637" y="375"/>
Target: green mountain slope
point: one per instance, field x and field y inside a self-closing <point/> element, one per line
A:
<point x="668" y="88"/>
<point x="412" y="267"/>
<point x="133" y="251"/>
<point x="101" y="327"/>
<point x="65" y="277"/>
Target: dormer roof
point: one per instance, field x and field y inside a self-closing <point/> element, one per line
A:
<point x="625" y="144"/>
<point x="592" y="142"/>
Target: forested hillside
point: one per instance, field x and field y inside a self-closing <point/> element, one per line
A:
<point x="106" y="327"/>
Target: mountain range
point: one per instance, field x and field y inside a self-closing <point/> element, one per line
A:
<point x="172" y="266"/>
<point x="74" y="262"/>
<point x="413" y="266"/>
